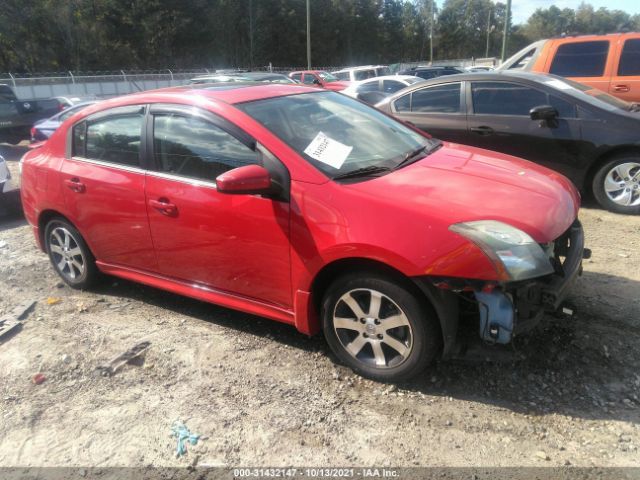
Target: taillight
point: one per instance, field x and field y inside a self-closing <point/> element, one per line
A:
<point x="33" y="133"/>
<point x="61" y="107"/>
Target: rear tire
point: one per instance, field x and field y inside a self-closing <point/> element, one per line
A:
<point x="616" y="185"/>
<point x="70" y="255"/>
<point x="380" y="326"/>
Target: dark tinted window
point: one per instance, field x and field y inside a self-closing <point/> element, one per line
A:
<point x="565" y="109"/>
<point x="368" y="87"/>
<point x="192" y="147"/>
<point x="440" y="99"/>
<point x="582" y="59"/>
<point x="115" y="139"/>
<point x="426" y="74"/>
<point x="79" y="137"/>
<point x="499" y="98"/>
<point x="392" y="86"/>
<point x="296" y="76"/>
<point x="308" y="79"/>
<point x="630" y="58"/>
<point x="403" y="104"/>
<point x="342" y="75"/>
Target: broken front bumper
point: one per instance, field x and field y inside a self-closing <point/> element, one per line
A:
<point x="520" y="306"/>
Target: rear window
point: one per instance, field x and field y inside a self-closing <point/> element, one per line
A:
<point x="439" y="99"/>
<point x="630" y="58"/>
<point x="582" y="59"/>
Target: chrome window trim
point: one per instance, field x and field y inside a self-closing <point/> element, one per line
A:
<point x="117" y="166"/>
<point x="189" y="181"/>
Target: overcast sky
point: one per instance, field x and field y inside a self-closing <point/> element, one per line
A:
<point x="522" y="9"/>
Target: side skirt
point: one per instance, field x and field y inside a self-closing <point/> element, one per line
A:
<point x="201" y="292"/>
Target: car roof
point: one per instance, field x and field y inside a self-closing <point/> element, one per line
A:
<point x="231" y="93"/>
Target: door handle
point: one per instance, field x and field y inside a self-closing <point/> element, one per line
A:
<point x="164" y="207"/>
<point x="75" y="184"/>
<point x="482" y="130"/>
<point x="621" y="88"/>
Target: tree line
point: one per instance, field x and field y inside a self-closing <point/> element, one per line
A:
<point x="95" y="35"/>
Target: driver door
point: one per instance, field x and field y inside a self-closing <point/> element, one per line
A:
<point x="234" y="243"/>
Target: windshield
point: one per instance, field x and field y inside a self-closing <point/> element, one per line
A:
<point x="336" y="133"/>
<point x="603" y="99"/>
<point x="327" y="77"/>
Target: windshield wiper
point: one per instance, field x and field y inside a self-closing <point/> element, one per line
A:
<point x="362" y="172"/>
<point x="415" y="155"/>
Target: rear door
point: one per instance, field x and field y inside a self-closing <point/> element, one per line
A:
<point x="103" y="184"/>
<point x="588" y="62"/>
<point x="499" y="120"/>
<point x="234" y="243"/>
<point x="438" y="110"/>
<point x="625" y="83"/>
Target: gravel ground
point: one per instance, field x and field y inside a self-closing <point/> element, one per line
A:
<point x="260" y="393"/>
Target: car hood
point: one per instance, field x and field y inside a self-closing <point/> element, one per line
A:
<point x="458" y="183"/>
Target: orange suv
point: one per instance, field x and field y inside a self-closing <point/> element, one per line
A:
<point x="610" y="63"/>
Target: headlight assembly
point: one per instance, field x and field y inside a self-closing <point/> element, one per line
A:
<point x="515" y="254"/>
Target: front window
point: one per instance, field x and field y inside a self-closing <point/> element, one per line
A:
<point x="630" y="59"/>
<point x="327" y="77"/>
<point x="337" y="134"/>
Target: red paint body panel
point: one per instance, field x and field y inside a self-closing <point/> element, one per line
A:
<point x="336" y="86"/>
<point x="261" y="255"/>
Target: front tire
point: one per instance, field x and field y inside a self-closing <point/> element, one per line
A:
<point x="380" y="327"/>
<point x="70" y="255"/>
<point x="616" y="185"/>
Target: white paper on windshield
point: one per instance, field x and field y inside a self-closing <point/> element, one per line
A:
<point x="559" y="84"/>
<point x="327" y="150"/>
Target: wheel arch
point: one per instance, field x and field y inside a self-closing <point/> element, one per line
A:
<point x="444" y="303"/>
<point x="44" y="218"/>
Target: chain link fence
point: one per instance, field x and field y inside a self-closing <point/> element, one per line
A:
<point x="104" y="84"/>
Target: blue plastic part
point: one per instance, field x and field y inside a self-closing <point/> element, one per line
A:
<point x="496" y="316"/>
<point x="182" y="434"/>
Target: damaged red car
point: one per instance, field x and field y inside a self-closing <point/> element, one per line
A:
<point x="309" y="208"/>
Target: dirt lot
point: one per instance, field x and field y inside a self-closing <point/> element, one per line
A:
<point x="262" y="394"/>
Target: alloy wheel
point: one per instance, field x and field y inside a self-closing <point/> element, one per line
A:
<point x="66" y="254"/>
<point x="622" y="184"/>
<point x="372" y="328"/>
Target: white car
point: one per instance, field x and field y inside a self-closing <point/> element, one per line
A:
<point x="9" y="192"/>
<point x="377" y="89"/>
<point x="355" y="74"/>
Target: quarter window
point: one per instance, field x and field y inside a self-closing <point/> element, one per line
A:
<point x="194" y="148"/>
<point x="403" y="104"/>
<point x="630" y="59"/>
<point x="440" y="99"/>
<point x="582" y="59"/>
<point x="115" y="139"/>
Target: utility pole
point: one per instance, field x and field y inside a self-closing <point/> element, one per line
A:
<point x="250" y="34"/>
<point x="431" y="33"/>
<point x="486" y="55"/>
<point x="308" y="37"/>
<point x="505" y="35"/>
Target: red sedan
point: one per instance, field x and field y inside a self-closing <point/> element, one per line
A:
<point x="310" y="208"/>
<point x="319" y="78"/>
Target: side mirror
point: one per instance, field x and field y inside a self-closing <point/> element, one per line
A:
<point x="248" y="180"/>
<point x="543" y="112"/>
<point x="316" y="82"/>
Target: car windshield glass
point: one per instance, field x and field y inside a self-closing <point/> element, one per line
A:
<point x="594" y="96"/>
<point x="327" y="77"/>
<point x="336" y="133"/>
